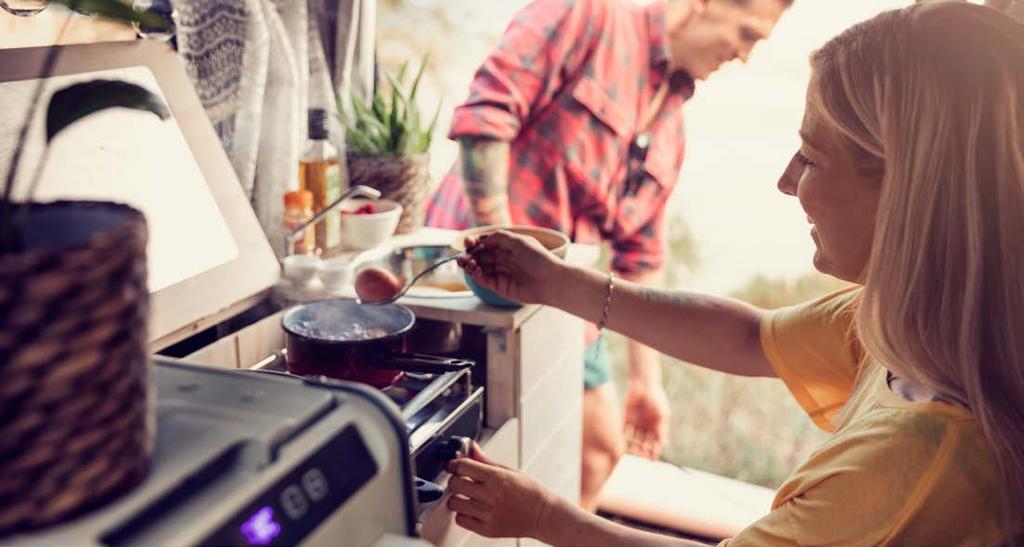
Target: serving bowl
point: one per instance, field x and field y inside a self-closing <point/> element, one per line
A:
<point x="361" y="230"/>
<point x="552" y="240"/>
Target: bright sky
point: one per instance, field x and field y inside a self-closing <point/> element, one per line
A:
<point x="742" y="128"/>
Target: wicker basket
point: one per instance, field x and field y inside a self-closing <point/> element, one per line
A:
<point x="405" y="179"/>
<point x="74" y="375"/>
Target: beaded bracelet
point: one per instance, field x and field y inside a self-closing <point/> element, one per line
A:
<point x="607" y="301"/>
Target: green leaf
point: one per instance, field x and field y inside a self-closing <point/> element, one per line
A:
<point x="429" y="134"/>
<point x="402" y="70"/>
<point x="369" y="123"/>
<point x="360" y="143"/>
<point x="393" y="114"/>
<point x="378" y="107"/>
<point x="365" y="130"/>
<point x="359" y="109"/>
<point x="399" y="105"/>
<point x="377" y="134"/>
<point x="77" y="101"/>
<point x="416" y="81"/>
<point x="118" y="10"/>
<point x="402" y="146"/>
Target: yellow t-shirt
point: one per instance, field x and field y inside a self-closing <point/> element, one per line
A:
<point x="894" y="472"/>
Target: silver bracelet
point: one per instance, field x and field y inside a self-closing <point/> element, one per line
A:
<point x="607" y="301"/>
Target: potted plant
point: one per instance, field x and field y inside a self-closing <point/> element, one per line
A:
<point x="74" y="365"/>
<point x="388" y="143"/>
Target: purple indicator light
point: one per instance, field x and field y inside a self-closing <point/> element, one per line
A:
<point x="261" y="528"/>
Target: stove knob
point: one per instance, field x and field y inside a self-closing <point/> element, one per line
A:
<point x="453" y="447"/>
<point x="465" y="445"/>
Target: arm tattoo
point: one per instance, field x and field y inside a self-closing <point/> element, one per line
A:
<point x="484" y="166"/>
<point x="490" y="208"/>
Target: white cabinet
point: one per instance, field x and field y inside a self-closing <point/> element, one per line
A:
<point x="534" y="402"/>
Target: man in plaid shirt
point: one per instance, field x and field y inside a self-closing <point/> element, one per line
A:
<point x="575" y="123"/>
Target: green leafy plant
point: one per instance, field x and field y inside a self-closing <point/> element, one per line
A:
<point x="389" y="124"/>
<point x="72" y="103"/>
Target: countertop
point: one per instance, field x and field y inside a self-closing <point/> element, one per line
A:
<point x="463" y="309"/>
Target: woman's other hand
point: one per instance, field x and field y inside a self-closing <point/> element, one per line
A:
<point x="516" y="267"/>
<point x="495" y="501"/>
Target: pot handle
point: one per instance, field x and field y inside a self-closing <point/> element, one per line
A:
<point x="418" y="362"/>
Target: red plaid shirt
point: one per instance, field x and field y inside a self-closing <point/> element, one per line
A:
<point x="567" y="87"/>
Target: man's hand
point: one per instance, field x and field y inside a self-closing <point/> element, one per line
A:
<point x="646" y="418"/>
<point x="646" y="409"/>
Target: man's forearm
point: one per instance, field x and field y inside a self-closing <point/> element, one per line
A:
<point x="484" y="165"/>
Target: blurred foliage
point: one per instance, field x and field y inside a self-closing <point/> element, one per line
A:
<point x="770" y="293"/>
<point x="746" y="428"/>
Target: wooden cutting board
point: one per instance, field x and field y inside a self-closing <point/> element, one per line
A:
<point x="679" y="498"/>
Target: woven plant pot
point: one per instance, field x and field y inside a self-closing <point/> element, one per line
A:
<point x="74" y="370"/>
<point x="405" y="179"/>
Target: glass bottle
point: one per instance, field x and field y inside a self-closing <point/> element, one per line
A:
<point x="298" y="208"/>
<point x="320" y="173"/>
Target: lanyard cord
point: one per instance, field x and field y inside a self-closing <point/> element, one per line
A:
<point x="655" y="106"/>
<point x="637" y="153"/>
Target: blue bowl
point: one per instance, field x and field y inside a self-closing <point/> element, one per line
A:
<point x="489" y="297"/>
<point x="553" y="240"/>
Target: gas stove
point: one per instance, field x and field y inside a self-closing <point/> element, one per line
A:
<point x="441" y="412"/>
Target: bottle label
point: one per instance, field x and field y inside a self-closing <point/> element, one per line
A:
<point x="332" y="176"/>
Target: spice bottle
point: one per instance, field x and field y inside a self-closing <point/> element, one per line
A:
<point x="298" y="208"/>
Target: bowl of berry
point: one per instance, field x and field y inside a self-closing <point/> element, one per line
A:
<point x="367" y="223"/>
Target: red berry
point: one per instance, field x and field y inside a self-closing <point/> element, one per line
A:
<point x="365" y="209"/>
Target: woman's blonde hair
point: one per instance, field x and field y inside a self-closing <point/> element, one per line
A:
<point x="930" y="99"/>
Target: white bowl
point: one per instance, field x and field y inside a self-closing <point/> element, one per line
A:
<point x="362" y="232"/>
<point x="300" y="269"/>
<point x="335" y="273"/>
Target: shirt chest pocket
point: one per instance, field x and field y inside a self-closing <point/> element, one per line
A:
<point x="596" y="136"/>
<point x="610" y="128"/>
<point x="596" y="101"/>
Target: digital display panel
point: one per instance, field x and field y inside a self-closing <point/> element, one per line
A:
<point x="294" y="506"/>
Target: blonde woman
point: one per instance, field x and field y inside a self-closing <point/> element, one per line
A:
<point x="911" y="173"/>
